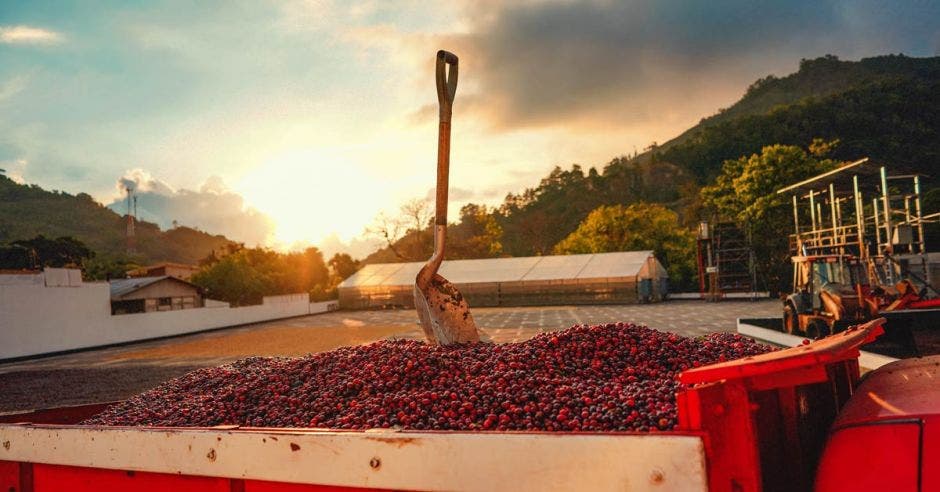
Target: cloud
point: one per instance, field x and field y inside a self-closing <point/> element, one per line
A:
<point x="29" y="35"/>
<point x="455" y="193"/>
<point x="213" y="208"/>
<point x="357" y="247"/>
<point x="645" y="65"/>
<point x="14" y="169"/>
<point x="141" y="181"/>
<point x="13" y="86"/>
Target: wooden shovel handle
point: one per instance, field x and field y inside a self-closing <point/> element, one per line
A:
<point x="446" y="90"/>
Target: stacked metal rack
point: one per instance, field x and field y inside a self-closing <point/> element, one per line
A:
<point x="861" y="210"/>
<point x="726" y="262"/>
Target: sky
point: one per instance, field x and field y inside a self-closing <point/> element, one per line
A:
<point x="296" y="122"/>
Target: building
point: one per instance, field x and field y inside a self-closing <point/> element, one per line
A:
<point x="148" y="294"/>
<point x="178" y="270"/>
<point x="604" y="278"/>
<point x="54" y="310"/>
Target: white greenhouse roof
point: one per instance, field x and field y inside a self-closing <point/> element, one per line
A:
<point x="519" y="269"/>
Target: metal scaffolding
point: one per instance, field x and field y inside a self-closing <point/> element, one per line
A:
<point x="726" y="263"/>
<point x="861" y="210"/>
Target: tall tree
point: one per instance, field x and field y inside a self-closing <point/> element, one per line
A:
<point x="640" y="226"/>
<point x="64" y="251"/>
<point x="477" y="235"/>
<point x="342" y="266"/>
<point x="746" y="192"/>
<point x="108" y="266"/>
<point x="406" y="235"/>
<point x="245" y="276"/>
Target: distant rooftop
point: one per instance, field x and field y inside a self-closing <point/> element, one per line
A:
<point x="124" y="286"/>
<point x="528" y="268"/>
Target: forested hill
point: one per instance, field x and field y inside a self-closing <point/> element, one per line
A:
<point x="885" y="107"/>
<point x="28" y="210"/>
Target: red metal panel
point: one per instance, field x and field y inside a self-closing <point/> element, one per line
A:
<point x="9" y="476"/>
<point x="723" y="412"/>
<point x="835" y="348"/>
<point x="57" y="478"/>
<point x="930" y="457"/>
<point x="263" y="486"/>
<point x="59" y="415"/>
<point x="759" y="412"/>
<point x="872" y="457"/>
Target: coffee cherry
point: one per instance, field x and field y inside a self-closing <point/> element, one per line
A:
<point x="612" y="377"/>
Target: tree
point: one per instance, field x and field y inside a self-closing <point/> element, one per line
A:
<point x="18" y="258"/>
<point x="108" y="266"/>
<point x="746" y="192"/>
<point x="245" y="276"/>
<point x="639" y="226"/>
<point x="407" y="235"/>
<point x="342" y="266"/>
<point x="236" y="279"/>
<point x="477" y="235"/>
<point x="61" y="252"/>
<point x="534" y="221"/>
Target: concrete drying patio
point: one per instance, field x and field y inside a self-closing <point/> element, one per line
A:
<point x="119" y="372"/>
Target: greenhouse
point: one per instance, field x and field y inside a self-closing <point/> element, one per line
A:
<point x="603" y="278"/>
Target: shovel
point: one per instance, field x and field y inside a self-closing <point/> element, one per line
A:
<point x="442" y="311"/>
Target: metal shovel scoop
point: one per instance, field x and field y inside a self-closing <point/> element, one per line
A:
<point x="443" y="312"/>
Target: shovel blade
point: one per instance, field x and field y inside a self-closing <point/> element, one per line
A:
<point x="444" y="314"/>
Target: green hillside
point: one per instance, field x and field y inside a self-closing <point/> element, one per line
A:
<point x="822" y="77"/>
<point x="28" y="210"/>
<point x="886" y="108"/>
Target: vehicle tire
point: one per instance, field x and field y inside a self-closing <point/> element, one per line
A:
<point x="817" y="329"/>
<point x="791" y="320"/>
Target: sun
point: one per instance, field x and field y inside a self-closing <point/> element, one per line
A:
<point x="311" y="194"/>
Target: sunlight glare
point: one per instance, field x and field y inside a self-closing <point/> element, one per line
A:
<point x="311" y="193"/>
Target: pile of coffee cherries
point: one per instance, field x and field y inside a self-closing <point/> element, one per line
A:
<point x="611" y="377"/>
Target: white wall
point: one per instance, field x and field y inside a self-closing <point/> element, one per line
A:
<point x="35" y="319"/>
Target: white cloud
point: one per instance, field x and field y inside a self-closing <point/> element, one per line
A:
<point x="141" y="181"/>
<point x="214" y="208"/>
<point x="357" y="247"/>
<point x="13" y="86"/>
<point x="29" y="35"/>
<point x="14" y="169"/>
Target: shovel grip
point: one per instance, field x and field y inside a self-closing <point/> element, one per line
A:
<point x="446" y="82"/>
<point x="446" y="90"/>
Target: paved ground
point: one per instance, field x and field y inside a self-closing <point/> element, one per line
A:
<point x="119" y="372"/>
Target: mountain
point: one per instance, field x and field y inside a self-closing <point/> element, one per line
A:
<point x="886" y="108"/>
<point x="28" y="210"/>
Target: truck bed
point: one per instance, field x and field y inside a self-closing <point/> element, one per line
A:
<point x="736" y="425"/>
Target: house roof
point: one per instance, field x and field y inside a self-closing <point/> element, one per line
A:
<point x="124" y="286"/>
<point x="165" y="264"/>
<point x="518" y="269"/>
<point x="172" y="264"/>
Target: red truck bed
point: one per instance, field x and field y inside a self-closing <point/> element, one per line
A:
<point x="758" y="423"/>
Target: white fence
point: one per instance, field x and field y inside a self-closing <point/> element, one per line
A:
<point x="37" y="319"/>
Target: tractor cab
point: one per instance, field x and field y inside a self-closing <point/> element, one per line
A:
<point x="829" y="291"/>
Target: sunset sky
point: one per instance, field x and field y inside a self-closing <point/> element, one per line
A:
<point x="286" y="123"/>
